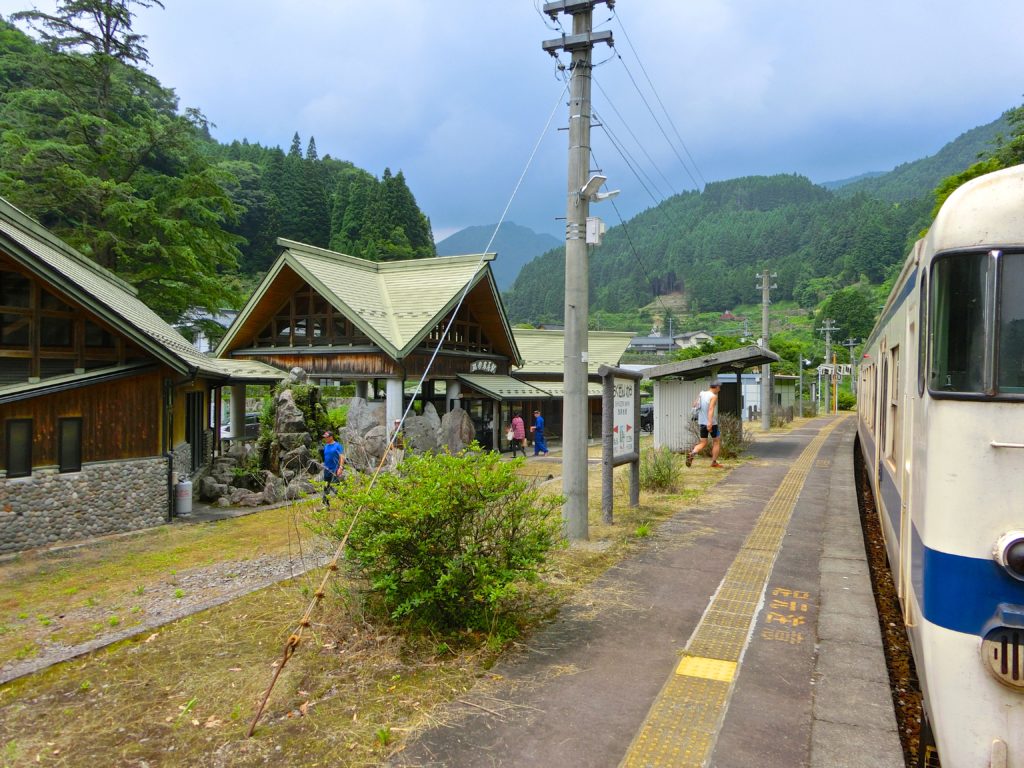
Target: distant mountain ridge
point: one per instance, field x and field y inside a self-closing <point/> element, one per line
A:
<point x="920" y="177"/>
<point x="708" y="247"/>
<point x="515" y="245"/>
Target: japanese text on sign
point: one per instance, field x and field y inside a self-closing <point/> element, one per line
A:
<point x="622" y="421"/>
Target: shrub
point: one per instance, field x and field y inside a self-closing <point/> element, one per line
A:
<point x="846" y="401"/>
<point x="734" y="439"/>
<point x="660" y="471"/>
<point x="447" y="541"/>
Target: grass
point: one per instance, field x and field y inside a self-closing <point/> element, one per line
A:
<point x="185" y="693"/>
<point x="86" y="584"/>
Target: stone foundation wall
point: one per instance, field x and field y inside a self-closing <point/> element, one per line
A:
<point x="105" y="497"/>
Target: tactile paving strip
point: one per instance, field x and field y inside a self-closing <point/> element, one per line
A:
<point x="682" y="724"/>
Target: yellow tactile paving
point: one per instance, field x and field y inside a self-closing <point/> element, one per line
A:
<point x="710" y="669"/>
<point x="682" y="724"/>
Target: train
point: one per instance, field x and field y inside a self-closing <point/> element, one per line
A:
<point x="941" y="433"/>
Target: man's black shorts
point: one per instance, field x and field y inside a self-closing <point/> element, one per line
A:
<point x="704" y="431"/>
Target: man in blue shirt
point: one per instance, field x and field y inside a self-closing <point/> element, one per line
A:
<point x="540" y="445"/>
<point x="334" y="462"/>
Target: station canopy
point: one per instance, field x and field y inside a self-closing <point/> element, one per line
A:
<point x="503" y="388"/>
<point x="716" y="364"/>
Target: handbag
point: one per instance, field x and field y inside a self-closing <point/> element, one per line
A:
<point x="694" y="413"/>
<point x="510" y="435"/>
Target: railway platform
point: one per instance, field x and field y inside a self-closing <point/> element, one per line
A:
<point x="744" y="634"/>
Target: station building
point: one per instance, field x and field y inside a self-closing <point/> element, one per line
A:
<point x="103" y="405"/>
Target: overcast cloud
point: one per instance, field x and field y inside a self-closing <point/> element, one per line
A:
<point x="456" y="94"/>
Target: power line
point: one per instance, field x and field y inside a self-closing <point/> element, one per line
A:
<point x="637" y="140"/>
<point x="630" y="161"/>
<point x="660" y="102"/>
<point x="658" y="123"/>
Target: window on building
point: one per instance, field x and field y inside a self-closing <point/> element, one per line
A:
<point x="70" y="445"/>
<point x="19" y="447"/>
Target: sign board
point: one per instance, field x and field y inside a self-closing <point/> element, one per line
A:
<point x="622" y="422"/>
<point x="483" y="366"/>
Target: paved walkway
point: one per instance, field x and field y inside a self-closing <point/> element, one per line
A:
<point x="744" y="634"/>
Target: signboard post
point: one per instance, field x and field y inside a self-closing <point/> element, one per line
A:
<point x="620" y="434"/>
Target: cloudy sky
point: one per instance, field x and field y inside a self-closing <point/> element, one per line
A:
<point x="457" y="94"/>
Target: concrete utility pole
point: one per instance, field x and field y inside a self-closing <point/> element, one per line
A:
<point x="766" y="369"/>
<point x="582" y="188"/>
<point x="828" y="329"/>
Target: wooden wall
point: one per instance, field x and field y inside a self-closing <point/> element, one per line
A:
<point x="120" y="419"/>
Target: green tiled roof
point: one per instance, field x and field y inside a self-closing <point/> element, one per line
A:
<point x="109" y="297"/>
<point x="557" y="388"/>
<point x="544" y="351"/>
<point x="505" y="387"/>
<point x="395" y="303"/>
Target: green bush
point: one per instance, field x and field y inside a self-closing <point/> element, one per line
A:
<point x="846" y="401"/>
<point x="448" y="541"/>
<point x="660" y="471"/>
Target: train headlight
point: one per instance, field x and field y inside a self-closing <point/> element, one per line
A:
<point x="1009" y="553"/>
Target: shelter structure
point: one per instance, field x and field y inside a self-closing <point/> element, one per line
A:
<point x="677" y="384"/>
<point x="103" y="405"/>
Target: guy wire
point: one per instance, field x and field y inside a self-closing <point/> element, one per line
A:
<point x="295" y="638"/>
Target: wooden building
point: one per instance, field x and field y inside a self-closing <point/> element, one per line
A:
<point x="431" y="328"/>
<point x="392" y="328"/>
<point x="103" y="405"/>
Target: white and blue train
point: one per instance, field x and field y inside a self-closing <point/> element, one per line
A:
<point x="941" y="431"/>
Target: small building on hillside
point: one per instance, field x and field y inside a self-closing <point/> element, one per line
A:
<point x="103" y="405"/>
<point x="692" y="339"/>
<point x="653" y="343"/>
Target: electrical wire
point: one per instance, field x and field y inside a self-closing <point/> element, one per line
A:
<point x="295" y="638"/>
<point x="637" y="140"/>
<point x="660" y="102"/>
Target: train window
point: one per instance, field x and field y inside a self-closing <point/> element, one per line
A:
<point x="958" y="323"/>
<point x="922" y="334"/>
<point x="1010" y="362"/>
<point x="892" y="448"/>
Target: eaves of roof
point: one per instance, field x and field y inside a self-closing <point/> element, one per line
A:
<point x="714" y="363"/>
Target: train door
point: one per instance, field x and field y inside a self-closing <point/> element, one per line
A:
<point x="907" y="390"/>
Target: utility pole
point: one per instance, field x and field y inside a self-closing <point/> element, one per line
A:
<point x="850" y="343"/>
<point x="582" y="190"/>
<point x="766" y="369"/>
<point x="828" y="330"/>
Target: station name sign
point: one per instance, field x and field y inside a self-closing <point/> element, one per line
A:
<point x="483" y="366"/>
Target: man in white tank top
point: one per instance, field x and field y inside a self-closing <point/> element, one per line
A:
<point x="707" y="420"/>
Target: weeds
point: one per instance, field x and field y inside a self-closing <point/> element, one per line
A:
<point x="660" y="471"/>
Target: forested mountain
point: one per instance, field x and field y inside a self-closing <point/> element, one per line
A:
<point x="515" y="246"/>
<point x="711" y="246"/>
<point x="920" y="177"/>
<point x="96" y="150"/>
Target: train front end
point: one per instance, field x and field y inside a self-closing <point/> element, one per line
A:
<point x="967" y="537"/>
